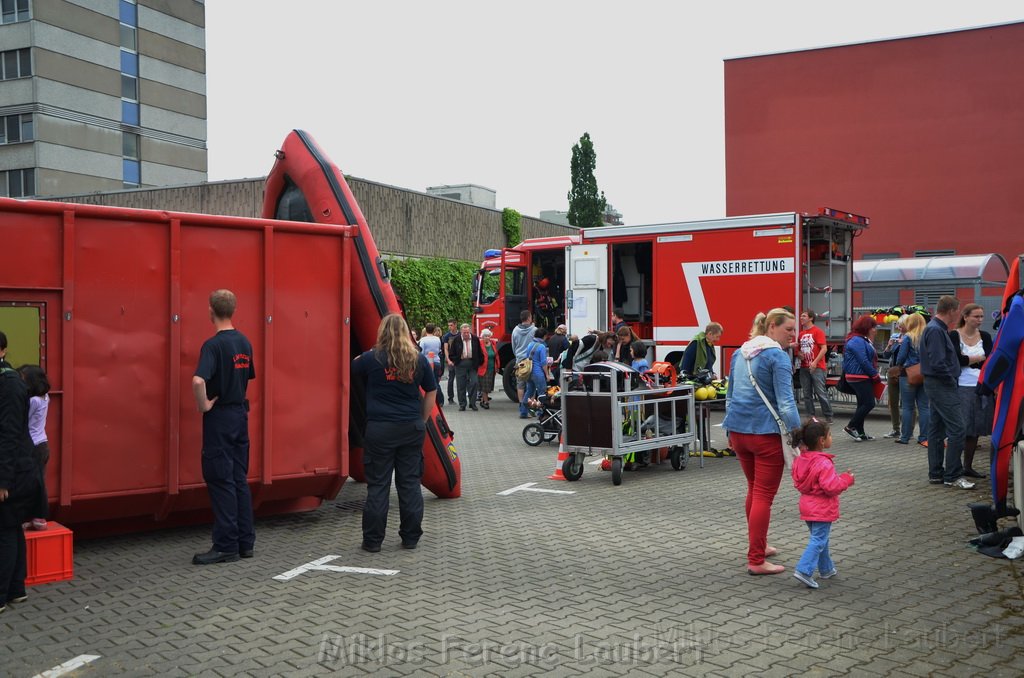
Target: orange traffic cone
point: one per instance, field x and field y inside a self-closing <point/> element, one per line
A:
<point x="562" y="456"/>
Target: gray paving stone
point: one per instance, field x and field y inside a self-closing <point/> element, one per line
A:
<point x="643" y="579"/>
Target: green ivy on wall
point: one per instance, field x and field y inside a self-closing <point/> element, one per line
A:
<point x="511" y="224"/>
<point x="434" y="290"/>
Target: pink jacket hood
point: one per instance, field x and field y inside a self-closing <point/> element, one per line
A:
<point x="815" y="477"/>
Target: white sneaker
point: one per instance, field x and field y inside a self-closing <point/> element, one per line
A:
<point x="807" y="579"/>
<point x="828" y="575"/>
<point x="892" y="434"/>
<point x="960" y="484"/>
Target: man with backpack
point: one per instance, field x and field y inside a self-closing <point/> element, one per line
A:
<point x="522" y="337"/>
<point x="533" y="371"/>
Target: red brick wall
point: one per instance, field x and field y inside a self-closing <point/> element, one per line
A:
<point x="923" y="135"/>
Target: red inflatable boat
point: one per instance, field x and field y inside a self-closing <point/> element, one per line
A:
<point x="305" y="185"/>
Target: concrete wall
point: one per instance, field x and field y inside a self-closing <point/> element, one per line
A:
<point x="403" y="222"/>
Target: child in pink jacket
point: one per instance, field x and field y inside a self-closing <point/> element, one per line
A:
<point x="814" y="475"/>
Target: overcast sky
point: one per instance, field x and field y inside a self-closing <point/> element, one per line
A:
<point x="418" y="94"/>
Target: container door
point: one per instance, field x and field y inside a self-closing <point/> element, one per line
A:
<point x="586" y="288"/>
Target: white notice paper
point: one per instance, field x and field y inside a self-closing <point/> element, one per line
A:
<point x="579" y="307"/>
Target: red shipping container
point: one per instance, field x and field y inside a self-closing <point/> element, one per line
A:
<point x="113" y="303"/>
<point x="49" y="554"/>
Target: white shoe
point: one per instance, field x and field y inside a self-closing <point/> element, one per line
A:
<point x="960" y="484"/>
<point x="807" y="579"/>
<point x="892" y="434"/>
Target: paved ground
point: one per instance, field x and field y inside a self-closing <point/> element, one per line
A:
<point x="643" y="579"/>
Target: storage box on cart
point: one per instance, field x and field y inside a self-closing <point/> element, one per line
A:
<point x="49" y="554"/>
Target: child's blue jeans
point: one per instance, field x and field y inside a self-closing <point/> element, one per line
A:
<point x="816" y="554"/>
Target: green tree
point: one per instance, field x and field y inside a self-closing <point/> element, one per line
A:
<point x="433" y="290"/>
<point x="511" y="223"/>
<point x="586" y="204"/>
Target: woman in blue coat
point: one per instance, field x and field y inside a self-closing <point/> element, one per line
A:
<point x="860" y="365"/>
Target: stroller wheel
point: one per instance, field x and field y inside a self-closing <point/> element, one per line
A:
<point x="550" y="437"/>
<point x="533" y="434"/>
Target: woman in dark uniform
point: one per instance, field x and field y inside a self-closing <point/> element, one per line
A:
<point x="394" y="371"/>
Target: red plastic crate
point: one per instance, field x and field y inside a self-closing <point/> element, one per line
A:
<point x="49" y="554"/>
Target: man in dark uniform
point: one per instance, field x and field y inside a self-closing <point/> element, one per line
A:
<point x="225" y="368"/>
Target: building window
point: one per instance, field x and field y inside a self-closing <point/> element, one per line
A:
<point x="129" y="13"/>
<point x="128" y="37"/>
<point x="129" y="63"/>
<point x="934" y="253"/>
<point x="18" y="183"/>
<point x="15" y="128"/>
<point x="130" y="145"/>
<point x="129" y="87"/>
<point x="130" y="113"/>
<point x="132" y="173"/>
<point x="14" y="11"/>
<point x="16" y="63"/>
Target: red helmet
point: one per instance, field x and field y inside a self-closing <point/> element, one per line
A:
<point x="543" y="283"/>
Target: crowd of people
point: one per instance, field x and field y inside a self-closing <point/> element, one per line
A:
<point x="473" y="362"/>
<point x="934" y="375"/>
<point x="934" y="369"/>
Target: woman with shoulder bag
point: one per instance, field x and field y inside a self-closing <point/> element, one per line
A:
<point x="759" y="397"/>
<point x="912" y="383"/>
<point x="860" y="367"/>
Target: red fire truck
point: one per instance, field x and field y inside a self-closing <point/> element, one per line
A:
<point x="670" y="280"/>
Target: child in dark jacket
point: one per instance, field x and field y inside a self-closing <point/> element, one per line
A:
<point x="814" y="475"/>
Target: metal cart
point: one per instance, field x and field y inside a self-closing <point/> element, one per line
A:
<point x="607" y="411"/>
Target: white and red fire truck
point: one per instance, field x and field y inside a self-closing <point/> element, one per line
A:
<point x="671" y="280"/>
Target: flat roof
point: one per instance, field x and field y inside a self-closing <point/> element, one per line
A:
<point x="877" y="40"/>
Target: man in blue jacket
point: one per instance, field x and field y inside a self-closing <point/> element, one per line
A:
<point x="941" y="369"/>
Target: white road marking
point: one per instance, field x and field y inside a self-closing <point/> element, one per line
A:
<point x="68" y="666"/>
<point x="320" y="566"/>
<point x="529" y="487"/>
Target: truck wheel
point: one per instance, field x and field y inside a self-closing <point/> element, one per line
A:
<point x="509" y="382"/>
<point x="572" y="468"/>
<point x="533" y="435"/>
<point x="616" y="471"/>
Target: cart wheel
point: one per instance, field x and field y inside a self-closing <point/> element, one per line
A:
<point x="679" y="456"/>
<point x="572" y="468"/>
<point x="533" y="434"/>
<point x="617" y="471"/>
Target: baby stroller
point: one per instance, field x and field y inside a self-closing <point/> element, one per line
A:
<point x="548" y="426"/>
